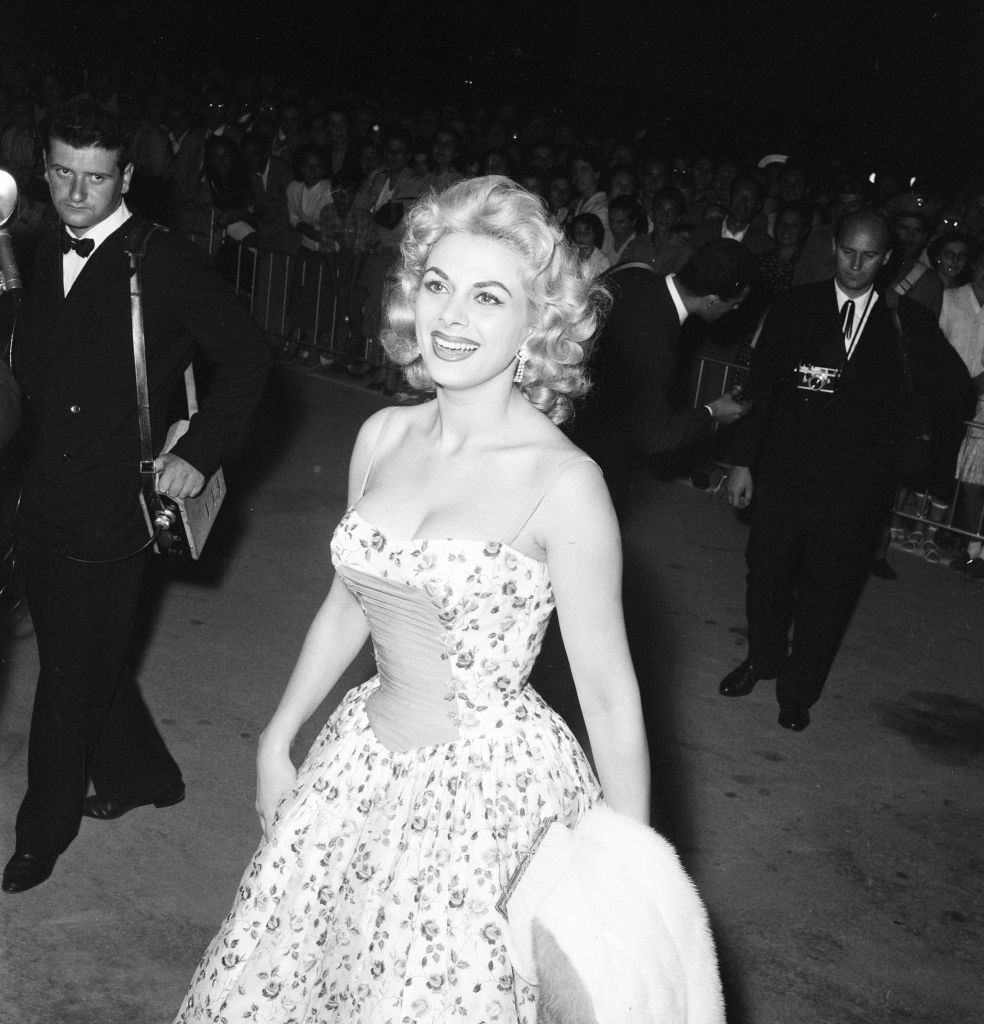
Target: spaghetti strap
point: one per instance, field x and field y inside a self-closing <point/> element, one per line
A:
<point x="552" y="478"/>
<point x="375" y="449"/>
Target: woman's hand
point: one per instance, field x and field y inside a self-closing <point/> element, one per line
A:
<point x="275" y="777"/>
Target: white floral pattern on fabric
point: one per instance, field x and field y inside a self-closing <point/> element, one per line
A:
<point x="970" y="461"/>
<point x="373" y="902"/>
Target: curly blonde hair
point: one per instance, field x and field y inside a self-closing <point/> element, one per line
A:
<point x="565" y="307"/>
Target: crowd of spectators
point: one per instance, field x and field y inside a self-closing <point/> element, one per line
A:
<point x="313" y="190"/>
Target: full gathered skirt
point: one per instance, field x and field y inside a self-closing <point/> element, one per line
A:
<point x="374" y="900"/>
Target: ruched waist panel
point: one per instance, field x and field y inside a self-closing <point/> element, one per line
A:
<point x="415" y="704"/>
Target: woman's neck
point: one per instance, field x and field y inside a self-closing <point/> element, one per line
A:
<point x="476" y="417"/>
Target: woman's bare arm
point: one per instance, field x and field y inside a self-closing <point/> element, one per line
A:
<point x="579" y="531"/>
<point x="334" y="639"/>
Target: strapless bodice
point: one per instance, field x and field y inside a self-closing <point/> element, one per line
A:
<point x="456" y="626"/>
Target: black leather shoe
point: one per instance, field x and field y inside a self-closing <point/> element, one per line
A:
<point x="106" y="808"/>
<point x="793" y="717"/>
<point x="26" y="870"/>
<point x="740" y="681"/>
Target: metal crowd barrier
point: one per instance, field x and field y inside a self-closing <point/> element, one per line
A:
<point x="712" y="377"/>
<point x="297" y="297"/>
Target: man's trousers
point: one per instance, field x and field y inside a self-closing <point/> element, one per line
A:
<point x="89" y="720"/>
<point x="805" y="571"/>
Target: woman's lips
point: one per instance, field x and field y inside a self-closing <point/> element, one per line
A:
<point x="451" y="348"/>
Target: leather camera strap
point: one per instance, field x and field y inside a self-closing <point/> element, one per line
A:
<point x="135" y="250"/>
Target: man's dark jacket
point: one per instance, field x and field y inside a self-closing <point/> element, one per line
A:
<point x="837" y="455"/>
<point x="633" y="372"/>
<point x="73" y="358"/>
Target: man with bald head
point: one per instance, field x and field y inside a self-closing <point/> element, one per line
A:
<point x="831" y="401"/>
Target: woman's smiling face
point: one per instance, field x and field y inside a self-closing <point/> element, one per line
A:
<point x="471" y="310"/>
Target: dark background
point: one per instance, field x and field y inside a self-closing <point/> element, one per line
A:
<point x="888" y="84"/>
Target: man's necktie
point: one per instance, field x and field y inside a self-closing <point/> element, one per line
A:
<point x="83" y="246"/>
<point x="848" y="311"/>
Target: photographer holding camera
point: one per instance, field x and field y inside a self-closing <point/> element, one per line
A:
<point x="836" y="389"/>
<point x="81" y="532"/>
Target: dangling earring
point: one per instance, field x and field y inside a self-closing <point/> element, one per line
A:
<point x="522" y="358"/>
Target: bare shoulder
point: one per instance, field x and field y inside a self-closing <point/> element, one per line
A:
<point x="578" y="484"/>
<point x="552" y="454"/>
<point x="382" y="429"/>
<point x="366" y="444"/>
<point x="577" y="507"/>
<point x="370" y="433"/>
<point x="393" y="421"/>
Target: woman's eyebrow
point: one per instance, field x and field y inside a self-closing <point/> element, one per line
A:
<point x="478" y="284"/>
<point x="492" y="284"/>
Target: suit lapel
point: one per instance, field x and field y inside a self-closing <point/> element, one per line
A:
<point x="52" y="288"/>
<point x="822" y="343"/>
<point x="39" y="344"/>
<point x="62" y="326"/>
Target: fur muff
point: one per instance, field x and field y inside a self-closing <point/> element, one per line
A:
<point x="621" y="936"/>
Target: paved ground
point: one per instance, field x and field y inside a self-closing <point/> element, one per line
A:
<point x="843" y="867"/>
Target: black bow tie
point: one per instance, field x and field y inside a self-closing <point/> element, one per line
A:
<point x="83" y="246"/>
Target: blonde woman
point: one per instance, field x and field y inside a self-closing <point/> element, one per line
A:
<point x="372" y="896"/>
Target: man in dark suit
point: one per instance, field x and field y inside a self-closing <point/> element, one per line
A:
<point x="831" y="402"/>
<point x="81" y="529"/>
<point x="629" y="412"/>
<point x="746" y="198"/>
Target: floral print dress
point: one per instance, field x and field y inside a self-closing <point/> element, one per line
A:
<point x="374" y="900"/>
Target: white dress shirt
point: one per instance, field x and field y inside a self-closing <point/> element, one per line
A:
<point x="72" y="262"/>
<point x="863" y="306"/>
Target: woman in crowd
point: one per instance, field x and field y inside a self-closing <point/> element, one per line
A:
<point x="588" y="234"/>
<point x="949" y="255"/>
<point x="778" y="265"/>
<point x="373" y="893"/>
<point x="589" y="196"/>
<point x="386" y="195"/>
<point x="309" y="195"/>
<point x="224" y="183"/>
<point x="306" y="199"/>
<point x="960" y="322"/>
<point x="559" y="196"/>
<point x="444" y="152"/>
<point x="627" y="225"/>
<point x="669" y="248"/>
